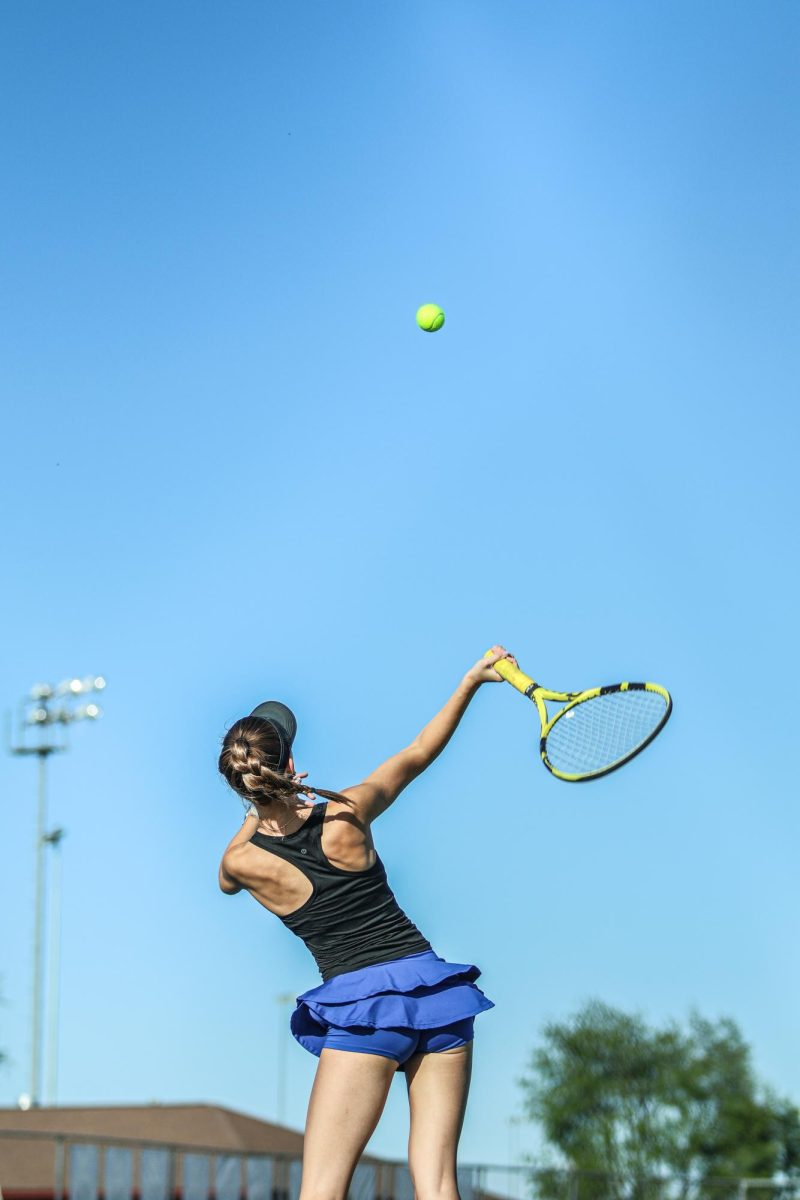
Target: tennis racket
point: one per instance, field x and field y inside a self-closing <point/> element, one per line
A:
<point x="595" y="731"/>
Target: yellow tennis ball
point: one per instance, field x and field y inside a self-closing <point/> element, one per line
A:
<point x="430" y="317"/>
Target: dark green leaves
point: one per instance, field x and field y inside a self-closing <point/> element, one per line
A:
<point x="627" y="1105"/>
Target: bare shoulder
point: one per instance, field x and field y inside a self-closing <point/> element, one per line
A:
<point x="344" y="817"/>
<point x="347" y="837"/>
<point x="358" y="805"/>
<point x="243" y="861"/>
<point x="233" y="854"/>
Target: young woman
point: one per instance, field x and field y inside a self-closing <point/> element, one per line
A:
<point x="387" y="1002"/>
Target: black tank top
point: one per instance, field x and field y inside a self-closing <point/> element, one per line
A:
<point x="351" y="919"/>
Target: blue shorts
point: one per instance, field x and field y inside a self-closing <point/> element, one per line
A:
<point x="418" y="1003"/>
<point x="400" y="1044"/>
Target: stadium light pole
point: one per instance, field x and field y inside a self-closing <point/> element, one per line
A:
<point x="46" y="706"/>
<point x="53" y="839"/>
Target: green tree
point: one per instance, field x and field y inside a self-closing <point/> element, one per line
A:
<point x="626" y="1104"/>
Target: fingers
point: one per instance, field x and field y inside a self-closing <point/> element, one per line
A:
<point x="499" y="652"/>
<point x="484" y="669"/>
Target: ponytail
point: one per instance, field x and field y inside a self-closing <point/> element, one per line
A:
<point x="247" y="749"/>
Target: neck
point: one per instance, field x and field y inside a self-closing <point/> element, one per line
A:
<point x="270" y="816"/>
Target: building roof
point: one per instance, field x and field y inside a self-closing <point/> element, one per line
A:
<point x="206" y="1125"/>
<point x="28" y="1164"/>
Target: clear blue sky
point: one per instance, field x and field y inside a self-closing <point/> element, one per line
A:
<point x="233" y="469"/>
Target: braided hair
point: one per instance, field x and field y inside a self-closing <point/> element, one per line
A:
<point x="251" y="750"/>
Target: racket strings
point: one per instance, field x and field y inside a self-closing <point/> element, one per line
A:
<point x="604" y="730"/>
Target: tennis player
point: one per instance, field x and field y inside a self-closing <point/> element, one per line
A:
<point x="387" y="1002"/>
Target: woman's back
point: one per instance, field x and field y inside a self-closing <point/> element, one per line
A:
<point x="282" y="887"/>
<point x="329" y="887"/>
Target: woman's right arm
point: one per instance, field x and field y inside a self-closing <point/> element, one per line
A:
<point x="380" y="789"/>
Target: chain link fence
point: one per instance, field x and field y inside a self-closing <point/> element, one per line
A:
<point x="528" y="1183"/>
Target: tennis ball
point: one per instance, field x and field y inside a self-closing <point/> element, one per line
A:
<point x="430" y="317"/>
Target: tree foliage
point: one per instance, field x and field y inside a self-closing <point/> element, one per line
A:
<point x="619" y="1098"/>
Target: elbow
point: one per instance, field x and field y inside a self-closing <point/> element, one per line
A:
<point x="421" y="755"/>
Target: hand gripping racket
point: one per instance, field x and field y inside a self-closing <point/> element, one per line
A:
<point x="595" y="731"/>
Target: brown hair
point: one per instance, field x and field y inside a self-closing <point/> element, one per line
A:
<point x="251" y="750"/>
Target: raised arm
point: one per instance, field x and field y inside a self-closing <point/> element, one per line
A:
<point x="372" y="797"/>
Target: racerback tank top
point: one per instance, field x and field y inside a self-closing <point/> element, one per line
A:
<point x="351" y="919"/>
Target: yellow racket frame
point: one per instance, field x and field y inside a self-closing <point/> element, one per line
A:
<point x="539" y="695"/>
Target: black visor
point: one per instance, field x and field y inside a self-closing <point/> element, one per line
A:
<point x="283" y="721"/>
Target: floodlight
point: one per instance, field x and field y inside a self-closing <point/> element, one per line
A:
<point x="92" y="711"/>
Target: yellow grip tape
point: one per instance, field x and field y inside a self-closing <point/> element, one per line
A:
<point x="511" y="674"/>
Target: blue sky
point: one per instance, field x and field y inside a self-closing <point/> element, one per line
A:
<point x="233" y="469"/>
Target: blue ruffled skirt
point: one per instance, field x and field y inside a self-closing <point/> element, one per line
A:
<point x="420" y="991"/>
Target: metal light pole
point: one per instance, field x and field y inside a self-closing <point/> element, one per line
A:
<point x="51" y="707"/>
<point x="53" y="840"/>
